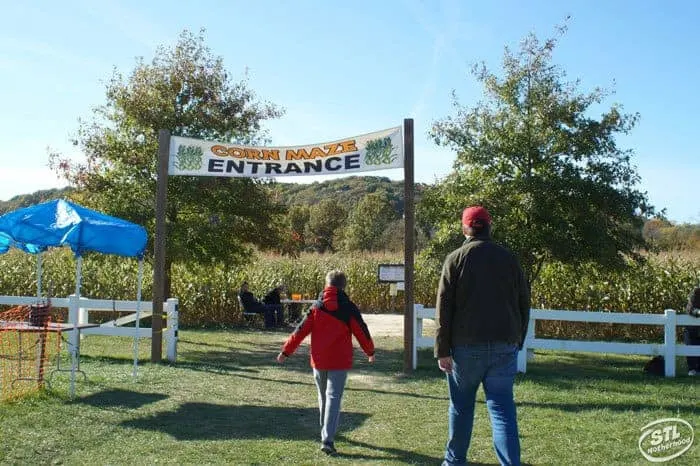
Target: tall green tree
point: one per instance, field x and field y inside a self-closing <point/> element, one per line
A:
<point x="368" y="221"/>
<point x="552" y="174"/>
<point x="187" y="90"/>
<point x="325" y="222"/>
<point x="298" y="220"/>
<point x="294" y="229"/>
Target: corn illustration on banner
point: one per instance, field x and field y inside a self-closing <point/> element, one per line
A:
<point x="380" y="150"/>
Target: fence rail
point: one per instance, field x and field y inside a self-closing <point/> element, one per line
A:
<point x="669" y="349"/>
<point x="79" y="309"/>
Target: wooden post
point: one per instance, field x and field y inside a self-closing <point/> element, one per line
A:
<point x="409" y="222"/>
<point x="159" y="246"/>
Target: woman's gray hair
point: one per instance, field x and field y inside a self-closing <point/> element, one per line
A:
<point x="336" y="278"/>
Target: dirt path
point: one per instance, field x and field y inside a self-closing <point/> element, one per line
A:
<point x="391" y="324"/>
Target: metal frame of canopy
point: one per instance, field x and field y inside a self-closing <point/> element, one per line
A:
<point x="139" y="287"/>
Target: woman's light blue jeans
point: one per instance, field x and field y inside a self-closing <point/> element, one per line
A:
<point x="330" y="386"/>
<point x="494" y="365"/>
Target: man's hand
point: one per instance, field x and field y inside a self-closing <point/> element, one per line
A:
<point x="370" y="359"/>
<point x="445" y="364"/>
<point x="281" y="358"/>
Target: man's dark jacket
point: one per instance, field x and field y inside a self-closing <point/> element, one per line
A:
<point x="250" y="304"/>
<point x="482" y="297"/>
<point x="273" y="297"/>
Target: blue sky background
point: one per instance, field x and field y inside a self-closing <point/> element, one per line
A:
<point x="346" y="68"/>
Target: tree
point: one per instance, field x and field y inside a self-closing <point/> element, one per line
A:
<point x="653" y="231"/>
<point x="552" y="175"/>
<point x="186" y="90"/>
<point x="367" y="222"/>
<point x="298" y="219"/>
<point x="294" y="230"/>
<point x="325" y="221"/>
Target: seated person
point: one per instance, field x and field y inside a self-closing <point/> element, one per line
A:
<point x="274" y="298"/>
<point x="251" y="304"/>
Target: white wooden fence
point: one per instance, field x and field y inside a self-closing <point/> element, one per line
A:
<point x="79" y="310"/>
<point x="669" y="349"/>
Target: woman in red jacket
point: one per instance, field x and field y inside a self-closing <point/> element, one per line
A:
<point x="331" y="321"/>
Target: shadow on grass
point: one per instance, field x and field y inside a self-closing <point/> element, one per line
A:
<point x="616" y="407"/>
<point x="121" y="399"/>
<point x="244" y="363"/>
<point x="206" y="421"/>
<point x="116" y="360"/>
<point x="221" y="365"/>
<point x="566" y="371"/>
<point x="388" y="454"/>
<point x="347" y="388"/>
<point x="182" y="341"/>
<point x="259" y="349"/>
<point x="407" y="457"/>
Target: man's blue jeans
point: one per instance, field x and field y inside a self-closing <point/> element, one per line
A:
<point x="494" y="365"/>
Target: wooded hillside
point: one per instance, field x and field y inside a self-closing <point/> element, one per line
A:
<point x="347" y="191"/>
<point x="37" y="197"/>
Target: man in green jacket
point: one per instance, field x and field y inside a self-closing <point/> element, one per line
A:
<point x="483" y="309"/>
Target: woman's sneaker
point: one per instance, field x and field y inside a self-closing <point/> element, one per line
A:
<point x="329" y="449"/>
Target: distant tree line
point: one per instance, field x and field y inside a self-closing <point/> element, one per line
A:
<point x="366" y="214"/>
<point x="37" y="197"/>
<point x="662" y="235"/>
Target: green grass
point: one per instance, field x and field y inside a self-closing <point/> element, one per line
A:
<point x="228" y="402"/>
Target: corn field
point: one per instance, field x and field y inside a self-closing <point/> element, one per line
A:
<point x="207" y="294"/>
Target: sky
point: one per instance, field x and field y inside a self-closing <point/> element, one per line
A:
<point x="340" y="69"/>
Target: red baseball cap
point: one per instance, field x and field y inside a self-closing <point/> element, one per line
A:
<point x="476" y="215"/>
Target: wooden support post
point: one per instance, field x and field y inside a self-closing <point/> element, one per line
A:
<point x="159" y="246"/>
<point x="409" y="246"/>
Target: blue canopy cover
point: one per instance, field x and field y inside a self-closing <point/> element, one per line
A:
<point x="62" y="223"/>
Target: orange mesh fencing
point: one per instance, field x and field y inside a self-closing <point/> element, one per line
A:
<point x="26" y="349"/>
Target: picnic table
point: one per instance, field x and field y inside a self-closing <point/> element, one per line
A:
<point x="295" y="306"/>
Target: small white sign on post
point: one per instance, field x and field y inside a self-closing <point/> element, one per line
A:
<point x="394" y="288"/>
<point x="390" y="273"/>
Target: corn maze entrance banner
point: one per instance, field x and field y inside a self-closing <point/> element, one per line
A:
<point x="375" y="151"/>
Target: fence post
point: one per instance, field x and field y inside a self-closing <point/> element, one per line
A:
<point x="82" y="315"/>
<point x="82" y="312"/>
<point x="171" y="333"/>
<point x="670" y="343"/>
<point x="523" y="353"/>
<point x="417" y="333"/>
